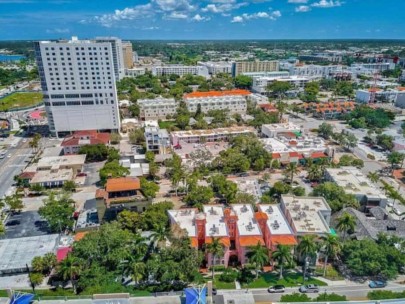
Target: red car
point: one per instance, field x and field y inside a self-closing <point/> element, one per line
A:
<point x="81" y="174"/>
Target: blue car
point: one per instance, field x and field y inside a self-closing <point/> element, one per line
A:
<point x="377" y="284"/>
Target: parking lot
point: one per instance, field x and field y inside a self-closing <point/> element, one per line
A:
<point x="24" y="224"/>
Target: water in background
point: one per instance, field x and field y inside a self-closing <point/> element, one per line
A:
<point x="4" y="57"/>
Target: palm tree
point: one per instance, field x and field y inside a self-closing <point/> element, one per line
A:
<point x="345" y="223"/>
<point x="216" y="249"/>
<point x="70" y="269"/>
<point x="281" y="108"/>
<point x="307" y="247"/>
<point x="291" y="170"/>
<point x="331" y="248"/>
<point x="374" y="177"/>
<point x="315" y="173"/>
<point x="160" y="235"/>
<point x="258" y="255"/>
<point x="283" y="257"/>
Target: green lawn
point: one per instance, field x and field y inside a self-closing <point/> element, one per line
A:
<point x="331" y="273"/>
<point x="166" y="124"/>
<point x="20" y="100"/>
<point x="219" y="284"/>
<point x="290" y="280"/>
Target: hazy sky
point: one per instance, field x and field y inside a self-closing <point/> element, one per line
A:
<point x="204" y="19"/>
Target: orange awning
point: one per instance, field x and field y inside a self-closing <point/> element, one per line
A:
<point x="224" y="241"/>
<point x="247" y="241"/>
<point x="283" y="240"/>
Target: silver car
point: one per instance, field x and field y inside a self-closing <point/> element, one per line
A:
<point x="309" y="288"/>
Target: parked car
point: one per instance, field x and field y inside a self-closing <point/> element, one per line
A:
<point x="309" y="288"/>
<point x="377" y="284"/>
<point x="81" y="174"/>
<point x="276" y="288"/>
<point x="396" y="211"/>
<point x="390" y="204"/>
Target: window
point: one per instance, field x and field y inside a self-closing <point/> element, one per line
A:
<point x="73" y="103"/>
<point x="58" y="103"/>
<point x="88" y="102"/>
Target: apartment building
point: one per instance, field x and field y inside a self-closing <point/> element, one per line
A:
<point x="307" y="215"/>
<point x="157" y="140"/>
<point x="353" y="181"/>
<point x="117" y="54"/>
<point x="128" y="54"/>
<point x="322" y="57"/>
<point x="329" y="110"/>
<point x="241" y="67"/>
<point x="217" y="67"/>
<point x="135" y="72"/>
<point x="158" y="108"/>
<point x="209" y="135"/>
<point x="312" y="70"/>
<point x="380" y="96"/>
<point x="260" y="84"/>
<point x="234" y="101"/>
<point x="180" y="70"/>
<point x="78" y="81"/>
<point x="119" y="194"/>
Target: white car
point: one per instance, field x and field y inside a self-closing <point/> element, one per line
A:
<point x="396" y="211"/>
<point x="390" y="204"/>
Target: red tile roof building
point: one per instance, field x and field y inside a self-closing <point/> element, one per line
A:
<point x="72" y="143"/>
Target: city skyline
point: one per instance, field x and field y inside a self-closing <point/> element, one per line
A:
<point x="209" y="19"/>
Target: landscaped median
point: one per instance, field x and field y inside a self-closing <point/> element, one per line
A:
<point x="20" y="100"/>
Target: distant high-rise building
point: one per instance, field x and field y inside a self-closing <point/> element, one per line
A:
<point x="241" y="67"/>
<point x="128" y="54"/>
<point x="117" y="53"/>
<point x="78" y="82"/>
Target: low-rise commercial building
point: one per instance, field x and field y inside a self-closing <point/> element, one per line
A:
<point x="312" y="70"/>
<point x="353" y="181"/>
<point x="329" y="110"/>
<point x="240" y="67"/>
<point x="210" y="135"/>
<point x="307" y="215"/>
<point x="396" y="96"/>
<point x="135" y="72"/>
<point x="157" y="140"/>
<point x="322" y="57"/>
<point x="274" y="130"/>
<point x="233" y="101"/>
<point x="180" y="70"/>
<point x="158" y="108"/>
<point x="72" y="143"/>
<point x="74" y="162"/>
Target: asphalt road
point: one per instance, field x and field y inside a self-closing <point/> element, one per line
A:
<point x="353" y="292"/>
<point x="15" y="160"/>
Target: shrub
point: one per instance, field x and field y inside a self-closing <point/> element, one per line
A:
<point x="229" y="275"/>
<point x="371" y="156"/>
<point x="295" y="297"/>
<point x="330" y="297"/>
<point x="385" y="294"/>
<point x="218" y="268"/>
<point x="245" y="276"/>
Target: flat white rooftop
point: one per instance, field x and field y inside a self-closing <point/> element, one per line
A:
<point x="185" y="219"/>
<point x="305" y="213"/>
<point x="215" y="225"/>
<point x="247" y="224"/>
<point x="301" y="145"/>
<point x="16" y="253"/>
<point x="289" y="126"/>
<point x="49" y="176"/>
<point x="66" y="160"/>
<point x="354" y="182"/>
<point x="276" y="222"/>
<point x="249" y="186"/>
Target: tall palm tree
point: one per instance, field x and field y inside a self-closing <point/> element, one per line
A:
<point x="306" y="248"/>
<point x="216" y="249"/>
<point x="258" y="255"/>
<point x="291" y="170"/>
<point x="331" y="248"/>
<point x="345" y="223"/>
<point x="283" y="257"/>
<point x="374" y="177"/>
<point x="70" y="269"/>
<point x="160" y="235"/>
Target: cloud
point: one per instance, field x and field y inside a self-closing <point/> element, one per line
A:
<point x="237" y="19"/>
<point x="58" y="31"/>
<point x="327" y="3"/>
<point x="302" y="9"/>
<point x="174" y="5"/>
<point x="176" y="15"/>
<point x="223" y="7"/>
<point x="259" y="15"/>
<point x="199" y="18"/>
<point x="136" y="12"/>
<point x="298" y="1"/>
